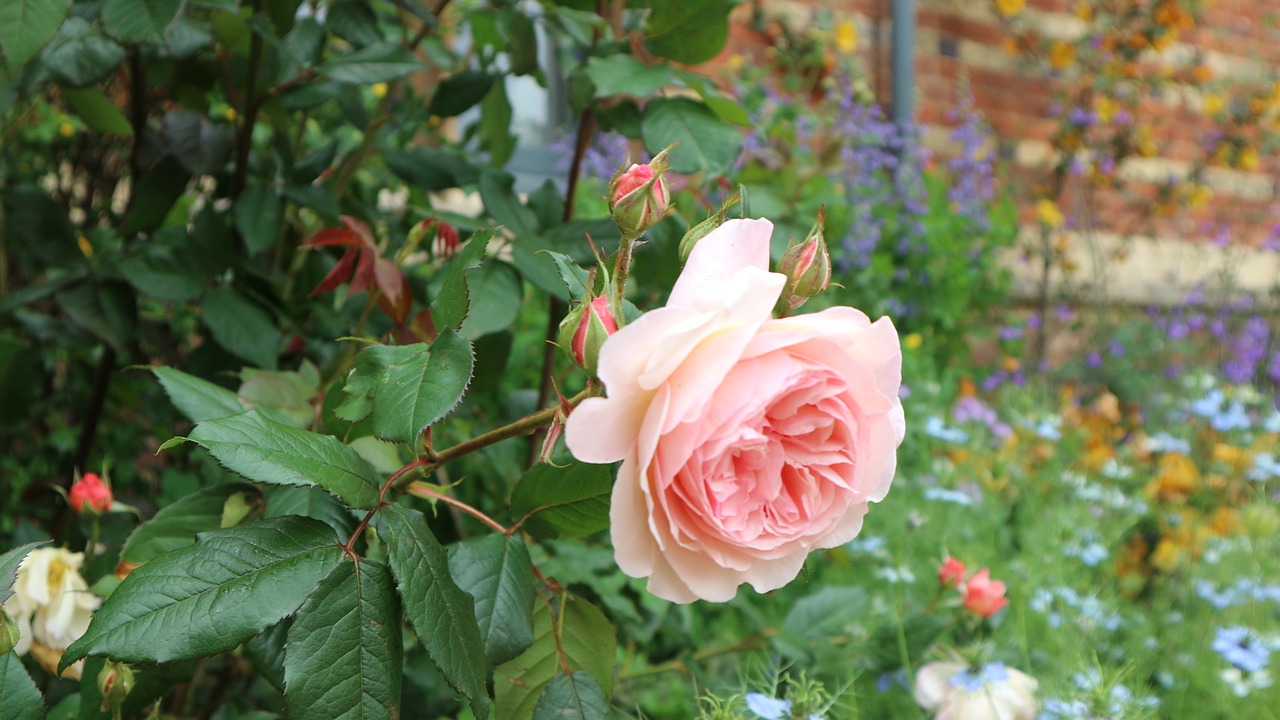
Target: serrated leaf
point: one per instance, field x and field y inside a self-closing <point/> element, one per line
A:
<point x="241" y="326"/>
<point x="311" y="502"/>
<point x="21" y="698"/>
<point x="377" y="63"/>
<point x="496" y="571"/>
<point x="176" y="525"/>
<point x="197" y="398"/>
<point x="26" y="25"/>
<point x="449" y="306"/>
<point x="567" y="502"/>
<point x="9" y="563"/>
<point x="345" y="652"/>
<point x="572" y="275"/>
<point x="266" y="451"/>
<point x="442" y="616"/>
<point x="407" y="388"/>
<point x="704" y="142"/>
<point x="266" y="652"/>
<point x="212" y="596"/>
<point x="136" y="21"/>
<point x="572" y="697"/>
<point x="286" y="396"/>
<point x="586" y="642"/>
<point x="626" y="75"/>
<point x="148" y="686"/>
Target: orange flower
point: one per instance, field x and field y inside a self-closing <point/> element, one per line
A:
<point x="1009" y="8"/>
<point x="1061" y="55"/>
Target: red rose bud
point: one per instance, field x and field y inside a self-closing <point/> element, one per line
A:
<point x="638" y="197"/>
<point x="807" y="267"/>
<point x="446" y="243"/>
<point x="951" y="572"/>
<point x="984" y="596"/>
<point x="585" y="329"/>
<point x="90" y="495"/>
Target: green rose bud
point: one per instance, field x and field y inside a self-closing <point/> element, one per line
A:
<point x="115" y="682"/>
<point x="807" y="266"/>
<point x="584" y="330"/>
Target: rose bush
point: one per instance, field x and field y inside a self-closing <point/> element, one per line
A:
<point x="746" y="441"/>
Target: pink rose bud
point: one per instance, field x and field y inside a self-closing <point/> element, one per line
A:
<point x="984" y="596"/>
<point x="90" y="494"/>
<point x="807" y="266"/>
<point x="585" y="329"/>
<point x="638" y="197"/>
<point x="951" y="572"/>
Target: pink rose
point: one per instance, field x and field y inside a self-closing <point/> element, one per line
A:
<point x="746" y="441"/>
<point x="951" y="572"/>
<point x="984" y="596"/>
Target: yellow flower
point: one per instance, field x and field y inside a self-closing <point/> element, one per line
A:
<point x="1179" y="477"/>
<point x="230" y="114"/>
<point x="912" y="341"/>
<point x="1061" y="54"/>
<point x="85" y="246"/>
<point x="1164" y="40"/>
<point x="66" y="129"/>
<point x="1248" y="159"/>
<point x="1048" y="214"/>
<point x="1009" y="8"/>
<point x="1199" y="197"/>
<point x="1213" y="103"/>
<point x="735" y="62"/>
<point x="1105" y="107"/>
<point x="379" y="90"/>
<point x="846" y="36"/>
<point x="1084" y="11"/>
<point x="1225" y="521"/>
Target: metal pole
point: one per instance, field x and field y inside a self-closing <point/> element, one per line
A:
<point x="903" y="51"/>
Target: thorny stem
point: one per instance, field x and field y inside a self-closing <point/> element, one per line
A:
<point x="422" y="489"/>
<point x="382" y="501"/>
<point x="523" y="426"/>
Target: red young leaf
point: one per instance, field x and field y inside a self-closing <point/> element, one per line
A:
<point x="359" y="228"/>
<point x="340" y="273"/>
<point x="395" y="298"/>
<point x="334" y="236"/>
<point x="364" y="271"/>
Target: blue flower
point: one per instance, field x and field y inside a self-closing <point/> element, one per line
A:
<point x="935" y="427"/>
<point x="1264" y="468"/>
<point x="768" y="708"/>
<point x="1237" y="646"/>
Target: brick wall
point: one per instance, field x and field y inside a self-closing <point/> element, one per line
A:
<point x="962" y="38"/>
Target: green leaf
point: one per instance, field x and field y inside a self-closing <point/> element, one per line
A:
<point x="212" y="596"/>
<point x="442" y="616"/>
<point x="9" y="563"/>
<point x="522" y="40"/>
<point x="495" y="300"/>
<point x="572" y="697"/>
<point x="202" y="147"/>
<point x="286" y="396"/>
<point x="161" y="272"/>
<point x="155" y="196"/>
<point x="176" y="525"/>
<point x="266" y="451"/>
<point x="137" y="21"/>
<point x="258" y="215"/>
<point x="21" y="699"/>
<point x="687" y="32"/>
<point x="267" y="651"/>
<point x="80" y="54"/>
<point x="564" y="502"/>
<point x="407" y="388"/>
<point x="449" y="306"/>
<point x="496" y="571"/>
<point x="108" y="310"/>
<point x="149" y="684"/>
<point x="241" y="326"/>
<point x="354" y="21"/>
<point x="497" y="189"/>
<point x="572" y="275"/>
<point x="26" y="25"/>
<point x="705" y="142"/>
<point x="626" y="75"/>
<point x="37" y="224"/>
<point x="460" y="92"/>
<point x="376" y="63"/>
<point x="311" y="502"/>
<point x="494" y="130"/>
<point x="818" y="618"/>
<point x="344" y="649"/>
<point x="431" y="169"/>
<point x="584" y="641"/>
<point x="197" y="398"/>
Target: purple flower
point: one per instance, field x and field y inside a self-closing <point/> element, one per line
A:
<point x="1093" y="360"/>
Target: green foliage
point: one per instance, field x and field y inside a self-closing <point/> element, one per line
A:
<point x="211" y="596"/>
<point x="564" y="502"/>
<point x="496" y="571"/>
<point x="21" y="697"/>
<point x="9" y="563"/>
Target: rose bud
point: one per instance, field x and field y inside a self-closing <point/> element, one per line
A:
<point x="90" y="495"/>
<point x="9" y="632"/>
<point x="585" y="329"/>
<point x="638" y="197"/>
<point x="807" y="267"/>
<point x="446" y="243"/>
<point x="984" y="596"/>
<point x="704" y="228"/>
<point x="951" y="572"/>
<point x="115" y="682"/>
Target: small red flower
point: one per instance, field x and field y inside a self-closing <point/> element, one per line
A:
<point x="90" y="494"/>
